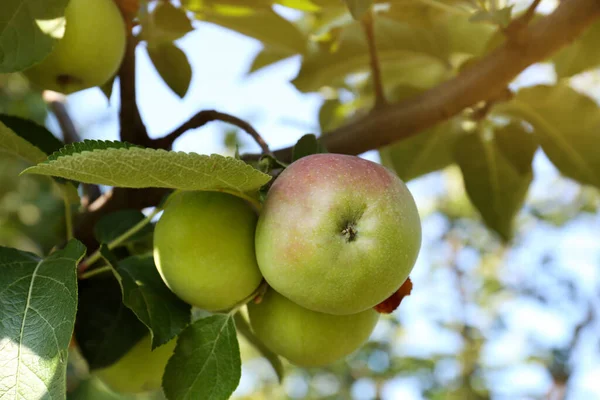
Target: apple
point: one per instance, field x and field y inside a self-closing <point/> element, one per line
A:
<point x="89" y="53"/>
<point x="308" y="338"/>
<point x="204" y="249"/>
<point x="140" y="369"/>
<point x="337" y="234"/>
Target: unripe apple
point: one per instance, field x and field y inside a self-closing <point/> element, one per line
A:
<point x="308" y="338"/>
<point x="89" y="53"/>
<point x="140" y="369"/>
<point x="337" y="234"/>
<point x="204" y="249"/>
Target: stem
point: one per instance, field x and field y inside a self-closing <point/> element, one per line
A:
<point x="255" y="202"/>
<point x="120" y="239"/>
<point x="259" y="291"/>
<point x="68" y="216"/>
<point x="368" y="27"/>
<point x="96" y="271"/>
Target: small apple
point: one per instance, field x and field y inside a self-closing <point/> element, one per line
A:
<point x="337" y="234"/>
<point x="308" y="338"/>
<point x="204" y="249"/>
<point x="140" y="369"/>
<point x="89" y="53"/>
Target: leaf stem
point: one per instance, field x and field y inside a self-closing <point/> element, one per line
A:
<point x="255" y="202"/>
<point x="369" y="28"/>
<point x="260" y="290"/>
<point x="120" y="239"/>
<point x="68" y="215"/>
<point x="95" y="271"/>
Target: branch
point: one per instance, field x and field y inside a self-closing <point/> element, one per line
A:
<point x="204" y="117"/>
<point x="514" y="31"/>
<point x="368" y="26"/>
<point x="481" y="81"/>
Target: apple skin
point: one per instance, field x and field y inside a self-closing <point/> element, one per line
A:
<point x="89" y="53"/>
<point x="140" y="369"/>
<point x="204" y="249"/>
<point x="308" y="338"/>
<point x="337" y="234"/>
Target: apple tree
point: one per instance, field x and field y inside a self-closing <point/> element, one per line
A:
<point x="131" y="270"/>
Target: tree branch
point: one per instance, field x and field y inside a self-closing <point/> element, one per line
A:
<point x="368" y="25"/>
<point x="480" y="82"/>
<point x="204" y="117"/>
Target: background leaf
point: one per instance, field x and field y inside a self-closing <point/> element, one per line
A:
<point x="145" y="293"/>
<point x="15" y="145"/>
<point x="358" y="8"/>
<point x="137" y="168"/>
<point x="172" y="65"/>
<point x="206" y="363"/>
<point x="165" y="24"/>
<point x="35" y="134"/>
<point x="28" y="30"/>
<point x="113" y="225"/>
<point x="496" y="186"/>
<point x="581" y="55"/>
<point x="307" y="145"/>
<point x="38" y="302"/>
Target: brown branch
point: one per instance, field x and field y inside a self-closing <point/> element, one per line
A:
<point x="514" y="30"/>
<point x="204" y="117"/>
<point x="368" y="25"/>
<point x="481" y="81"/>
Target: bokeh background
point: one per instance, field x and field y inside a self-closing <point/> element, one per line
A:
<point x="485" y="319"/>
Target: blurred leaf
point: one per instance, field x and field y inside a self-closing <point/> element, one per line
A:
<point x="496" y="187"/>
<point x="581" y="55"/>
<point x="16" y="145"/>
<point x="303" y="5"/>
<point x="331" y="114"/>
<point x="105" y="328"/>
<point x="207" y="352"/>
<point x="567" y="125"/>
<point x="307" y="145"/>
<point x="137" y="167"/>
<point x="145" y="293"/>
<point x="260" y="23"/>
<point x="463" y="35"/>
<point x="28" y="31"/>
<point x="35" y="134"/>
<point x="500" y="17"/>
<point x="38" y="302"/>
<point x="113" y="225"/>
<point x="165" y="24"/>
<point x="243" y="328"/>
<point x="173" y="66"/>
<point x="425" y="152"/>
<point x="266" y="57"/>
<point x="358" y="8"/>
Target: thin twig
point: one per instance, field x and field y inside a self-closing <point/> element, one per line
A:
<point x="206" y="116"/>
<point x="515" y="30"/>
<point x="368" y="25"/>
<point x="56" y="103"/>
<point x="94" y="272"/>
<point x="68" y="216"/>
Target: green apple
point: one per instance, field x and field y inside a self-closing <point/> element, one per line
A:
<point x="140" y="369"/>
<point x="89" y="53"/>
<point x="204" y="249"/>
<point x="308" y="338"/>
<point x="337" y="234"/>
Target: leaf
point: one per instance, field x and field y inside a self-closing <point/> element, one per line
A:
<point x="113" y="225"/>
<point x="260" y="23"/>
<point x="35" y="134"/>
<point x="302" y="5"/>
<point x="88" y="145"/>
<point x="38" y="302"/>
<point x="358" y="8"/>
<point x="145" y="293"/>
<point x="16" y="145"/>
<point x="243" y="327"/>
<point x="420" y="154"/>
<point x="266" y="57"/>
<point x="165" y="24"/>
<point x="495" y="184"/>
<point x="206" y="363"/>
<point x="173" y="66"/>
<point x="105" y="328"/>
<point x="567" y="125"/>
<point x="139" y="167"/>
<point x="500" y="17"/>
<point x="307" y="145"/>
<point x="28" y="31"/>
<point x="579" y="56"/>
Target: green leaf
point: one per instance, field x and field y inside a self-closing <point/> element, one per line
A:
<point x="16" y="145"/>
<point x="307" y="145"/>
<point x="145" y="293"/>
<point x="496" y="185"/>
<point x="260" y="23"/>
<point x="88" y="145"/>
<point x="138" y="168"/>
<point x="303" y="5"/>
<point x="500" y="17"/>
<point x="266" y="57"/>
<point x="38" y="302"/>
<point x="35" y="134"/>
<point x="358" y="8"/>
<point x="105" y="329"/>
<point x="165" y="24"/>
<point x="567" y="125"/>
<point x="28" y="31"/>
<point x="581" y="55"/>
<point x="113" y="225"/>
<point x="425" y="152"/>
<point x="173" y="66"/>
<point x="243" y="328"/>
<point x="206" y="363"/>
